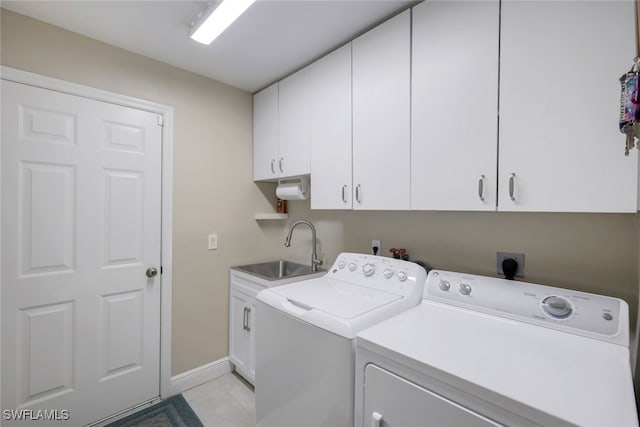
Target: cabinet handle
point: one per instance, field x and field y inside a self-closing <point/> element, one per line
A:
<point x="481" y="188"/>
<point x="273" y="166"/>
<point x="248" y="319"/>
<point x="280" y="164"/>
<point x="244" y="319"/>
<point x="376" y="419"/>
<point x="358" y="194"/>
<point x="344" y="194"/>
<point x="512" y="187"/>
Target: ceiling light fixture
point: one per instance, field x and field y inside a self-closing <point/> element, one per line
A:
<point x="219" y="19"/>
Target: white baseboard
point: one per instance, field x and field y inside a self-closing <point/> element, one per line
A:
<point x="199" y="375"/>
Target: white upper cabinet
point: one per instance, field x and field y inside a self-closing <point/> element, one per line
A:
<point x="293" y="109"/>
<point x="381" y="116"/>
<point x="265" y="133"/>
<point x="454" y="100"/>
<point x="281" y="129"/>
<point x="330" y="124"/>
<point x="560" y="148"/>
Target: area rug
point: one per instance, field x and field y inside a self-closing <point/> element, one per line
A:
<point x="171" y="412"/>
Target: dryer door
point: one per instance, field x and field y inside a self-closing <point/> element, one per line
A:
<point x="393" y="401"/>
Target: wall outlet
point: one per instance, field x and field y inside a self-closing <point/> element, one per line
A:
<point x="213" y="241"/>
<point x="501" y="256"/>
<point x="376" y="244"/>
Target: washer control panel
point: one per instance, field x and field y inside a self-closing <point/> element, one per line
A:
<point x="378" y="272"/>
<point x="597" y="316"/>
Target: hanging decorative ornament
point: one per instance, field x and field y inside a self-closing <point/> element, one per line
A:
<point x="630" y="96"/>
<point x="629" y="108"/>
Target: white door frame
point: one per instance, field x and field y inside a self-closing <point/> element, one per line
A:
<point x="166" y="112"/>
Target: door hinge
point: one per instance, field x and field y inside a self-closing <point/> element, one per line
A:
<point x="160" y="120"/>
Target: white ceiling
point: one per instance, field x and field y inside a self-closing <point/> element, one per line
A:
<point x="270" y="40"/>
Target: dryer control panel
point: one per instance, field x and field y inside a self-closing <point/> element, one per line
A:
<point x="582" y="313"/>
<point x="386" y="274"/>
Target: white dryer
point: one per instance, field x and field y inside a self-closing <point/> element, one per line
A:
<point x="482" y="351"/>
<point x="305" y="337"/>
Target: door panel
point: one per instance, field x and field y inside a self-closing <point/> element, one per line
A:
<point x="122" y="333"/>
<point x="80" y="225"/>
<point x="38" y="125"/>
<point x="46" y="352"/>
<point x="123" y="217"/>
<point x="123" y="137"/>
<point x="47" y="218"/>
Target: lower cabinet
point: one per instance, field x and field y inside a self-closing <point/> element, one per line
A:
<point x="243" y="289"/>
<point x="242" y="303"/>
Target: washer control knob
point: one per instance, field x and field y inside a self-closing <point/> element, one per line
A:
<point x="368" y="269"/>
<point x="464" y="289"/>
<point x="444" y="285"/>
<point x="352" y="267"/>
<point x="607" y="316"/>
<point x="402" y="276"/>
<point x="556" y="307"/>
<point x="341" y="265"/>
<point x="388" y="273"/>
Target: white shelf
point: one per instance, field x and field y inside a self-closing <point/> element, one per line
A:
<point x="271" y="216"/>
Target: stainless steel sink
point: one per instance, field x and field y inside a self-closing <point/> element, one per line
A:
<point x="275" y="270"/>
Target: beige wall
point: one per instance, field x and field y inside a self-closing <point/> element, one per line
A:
<point x="591" y="252"/>
<point x="212" y="149"/>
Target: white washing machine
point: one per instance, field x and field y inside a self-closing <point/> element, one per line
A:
<point x="481" y="351"/>
<point x="305" y="337"/>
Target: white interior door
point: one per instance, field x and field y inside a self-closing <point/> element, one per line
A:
<point x="81" y="186"/>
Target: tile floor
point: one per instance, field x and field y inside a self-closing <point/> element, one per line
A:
<point x="224" y="402"/>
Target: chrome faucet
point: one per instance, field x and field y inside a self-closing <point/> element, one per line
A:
<point x="315" y="262"/>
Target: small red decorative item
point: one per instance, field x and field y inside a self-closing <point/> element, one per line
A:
<point x="399" y="253"/>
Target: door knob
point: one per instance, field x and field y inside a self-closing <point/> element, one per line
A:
<point x="152" y="272"/>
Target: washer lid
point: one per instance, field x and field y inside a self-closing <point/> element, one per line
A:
<point x="340" y="299"/>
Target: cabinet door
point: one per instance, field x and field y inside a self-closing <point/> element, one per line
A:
<point x="265" y="133"/>
<point x="330" y="125"/>
<point x="293" y="116"/>
<point x="252" y="341"/>
<point x="454" y="97"/>
<point x="239" y="338"/>
<point x="560" y="148"/>
<point x="381" y="103"/>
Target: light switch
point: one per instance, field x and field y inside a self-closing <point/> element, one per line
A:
<point x="213" y="241"/>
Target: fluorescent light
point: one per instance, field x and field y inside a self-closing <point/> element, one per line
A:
<point x="218" y="21"/>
